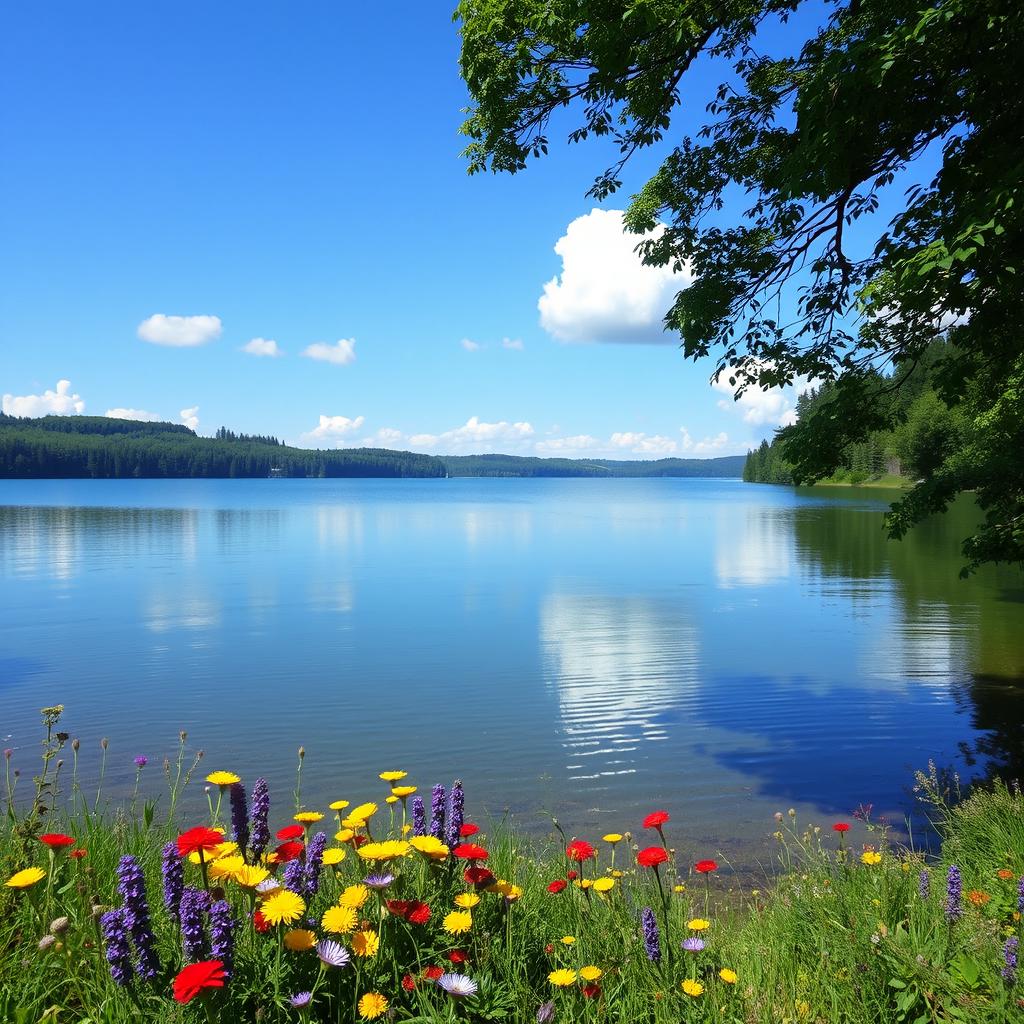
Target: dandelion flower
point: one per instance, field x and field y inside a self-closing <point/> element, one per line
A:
<point x="698" y="924"/>
<point x="467" y="900"/>
<point x="365" y="943"/>
<point x="308" y="817"/>
<point x="613" y="838"/>
<point x="567" y="940"/>
<point x="392" y="799"/>
<point x="354" y="896"/>
<point x="590" y="972"/>
<point x="339" y="805"/>
<point x="364" y="811"/>
<point x="248" y="876"/>
<point x="25" y="878"/>
<point x="284" y="907"/>
<point x="870" y="857"/>
<point x="390" y="849"/>
<point x="372" y="1005"/>
<point x="403" y="792"/>
<point x="429" y="846"/>
<point x="393" y="776"/>
<point x="340" y="920"/>
<point x="346" y="835"/>
<point x="222" y="778"/>
<point x="458" y="921"/>
<point x="333" y="856"/>
<point x="692" y="988"/>
<point x="728" y="975"/>
<point x="604" y="884"/>
<point x="298" y="939"/>
<point x="562" y="978"/>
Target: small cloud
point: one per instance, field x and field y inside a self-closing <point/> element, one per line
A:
<point x="709" y="445"/>
<point x="58" y="403"/>
<point x="386" y="437"/>
<point x="775" y="407"/>
<point x="475" y="436"/>
<point x="190" y="417"/>
<point x="470" y="346"/>
<point x="568" y="446"/>
<point x="332" y="430"/>
<point x="515" y="344"/>
<point x="179" y="331"/>
<point x="132" y="414"/>
<point x="262" y="347"/>
<point x="640" y="443"/>
<point x="341" y="353"/>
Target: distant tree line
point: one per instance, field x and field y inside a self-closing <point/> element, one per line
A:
<point x="518" y="465"/>
<point x="223" y="434"/>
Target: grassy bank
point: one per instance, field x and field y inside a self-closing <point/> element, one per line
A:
<point x="480" y="924"/>
<point x="847" y="478"/>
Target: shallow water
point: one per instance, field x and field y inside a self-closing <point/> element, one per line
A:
<point x="590" y="648"/>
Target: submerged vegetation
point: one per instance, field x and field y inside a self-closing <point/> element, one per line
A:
<point x="400" y="907"/>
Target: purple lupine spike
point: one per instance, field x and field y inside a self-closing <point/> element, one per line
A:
<point x="294" y="876"/>
<point x="1009" y="971"/>
<point x="419" y="817"/>
<point x="174" y="878"/>
<point x="239" y="816"/>
<point x="652" y="942"/>
<point x="453" y="824"/>
<point x="314" y="862"/>
<point x="924" y="885"/>
<point x="119" y="953"/>
<point x="954" y="894"/>
<point x="194" y="903"/>
<point x="437" y="798"/>
<point x="1020" y="895"/>
<point x="132" y="886"/>
<point x="259" y="823"/>
<point x="222" y="935"/>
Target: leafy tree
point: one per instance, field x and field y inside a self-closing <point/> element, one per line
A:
<point x="761" y="202"/>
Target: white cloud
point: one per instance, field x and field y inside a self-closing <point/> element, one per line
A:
<point x="566" y="447"/>
<point x="341" y="353"/>
<point x="641" y="443"/>
<point x="475" y="436"/>
<point x="708" y="446"/>
<point x="179" y="331"/>
<point x="469" y="345"/>
<point x="133" y="414"/>
<point x="331" y="431"/>
<point x="190" y="417"/>
<point x="605" y="293"/>
<point x="262" y="347"/>
<point x="386" y="437"/>
<point x="516" y="344"/>
<point x="59" y="403"/>
<point x="775" y="407"/>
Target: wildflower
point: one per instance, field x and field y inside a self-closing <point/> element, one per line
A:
<point x="590" y="991"/>
<point x="871" y="857"/>
<point x="248" y="876"/>
<point x="572" y="875"/>
<point x="457" y="956"/>
<point x="290" y="832"/>
<point x="580" y="850"/>
<point x="408" y="983"/>
<point x="338" y="805"/>
<point x="364" y="811"/>
<point x="419" y="817"/>
<point x="199" y="840"/>
<point x="458" y="921"/>
<point x="545" y="1013"/>
<point x="298" y="940"/>
<point x="557" y="885"/>
<point x="259" y="834"/>
<point x="365" y="943"/>
<point x="196" y="978"/>
<point x="289" y="851"/>
<point x="222" y="779"/>
<point x="1009" y="971"/>
<point x="332" y="954"/>
<point x="728" y="975"/>
<point x="437" y="802"/>
<point x="590" y="972"/>
<point x="1020" y="896"/>
<point x="652" y="857"/>
<point x="284" y="907"/>
<point x="78" y="854"/>
<point x="613" y="838"/>
<point x="840" y="827"/>
<point x="314" y="862"/>
<point x="652" y="944"/>
<point x="393" y="776"/>
<point x="301" y="1000"/>
<point x="679" y="887"/>
<point x="604" y="885"/>
<point x="470" y="851"/>
<point x="193" y="905"/>
<point x="467" y="900"/>
<point x="562" y="978"/>
<point x="402" y="792"/>
<point x="1004" y="873"/>
<point x="923" y="884"/>
<point x="239" y="815"/>
<point x="354" y="896"/>
<point x="259" y="922"/>
<point x="429" y="846"/>
<point x="978" y="898"/>
<point x="456" y="803"/>
<point x="693" y="944"/>
<point x="295" y="876"/>
<point x="954" y="889"/>
<point x="390" y="849"/>
<point x="340" y="920"/>
<point x="132" y="886"/>
<point x="60" y="925"/>
<point x="698" y="924"/>
<point x="692" y="988"/>
<point x="25" y="878"/>
<point x="308" y="817"/>
<point x="222" y="935"/>
<point x="704" y="867"/>
<point x="226" y="867"/>
<point x="46" y="942"/>
<point x="118" y="951"/>
<point x="56" y="840"/>
<point x="478" y="876"/>
<point x="457" y="985"/>
<point x="334" y="856"/>
<point x="568" y="940"/>
<point x="656" y="819"/>
<point x="372" y="1005"/>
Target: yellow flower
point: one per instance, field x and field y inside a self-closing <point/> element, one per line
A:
<point x="372" y="1005"/>
<point x="613" y="838"/>
<point x="803" y="1007"/>
<point x="402" y="792"/>
<point x="391" y="799"/>
<point x="693" y="988"/>
<point x="679" y="888"/>
<point x="604" y="884"/>
<point x="353" y="822"/>
<point x="365" y="943"/>
<point x="344" y="836"/>
<point x="308" y="817"/>
<point x="297" y="939"/>
<point x="393" y="776"/>
<point x="870" y="857"/>
<point x="220" y="851"/>
<point x="364" y="811"/>
<point x="616" y="873"/>
<point x="429" y="846"/>
<point x="283" y="907"/>
<point x="698" y="924"/>
<point x="333" y="856"/>
<point x="562" y="978"/>
<point x="354" y="896"/>
<point x="406" y="829"/>
<point x="250" y="875"/>
<point x="567" y="940"/>
<point x="584" y="883"/>
<point x="728" y="975"/>
<point x="227" y="867"/>
<point x="590" y="973"/>
<point x="390" y="849"/>
<point x="222" y="778"/>
<point x="467" y="900"/>
<point x="25" y="878"/>
<point x="339" y="805"/>
<point x="458" y="921"/>
<point x="340" y="920"/>
<point x="507" y="889"/>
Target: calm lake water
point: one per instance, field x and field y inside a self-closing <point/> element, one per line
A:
<point x="593" y="648"/>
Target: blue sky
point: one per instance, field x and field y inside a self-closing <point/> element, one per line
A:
<point x="294" y="172"/>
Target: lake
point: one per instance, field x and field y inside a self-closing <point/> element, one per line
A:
<point x="589" y="648"/>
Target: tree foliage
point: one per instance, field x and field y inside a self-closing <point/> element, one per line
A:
<point x="774" y="203"/>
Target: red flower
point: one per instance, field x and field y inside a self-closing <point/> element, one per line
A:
<point x="580" y="850"/>
<point x="413" y="911"/>
<point x="198" y="838"/>
<point x="56" y="840"/>
<point x="656" y="819"/>
<point x="408" y="982"/>
<point x="470" y="851"/>
<point x="572" y="875"/>
<point x="191" y="980"/>
<point x="457" y="956"/>
<point x="703" y="867"/>
<point x="591" y="990"/>
<point x="469" y="829"/>
<point x="80" y="852"/>
<point x="433" y="973"/>
<point x="289" y="851"/>
<point x="290" y="832"/>
<point x="478" y="876"/>
<point x="358" y="841"/>
<point x="259" y="922"/>
<point x="549" y="949"/>
<point x="651" y="857"/>
<point x="840" y="826"/>
<point x="557" y="885"/>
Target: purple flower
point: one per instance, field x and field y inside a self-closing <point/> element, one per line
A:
<point x="222" y="935"/>
<point x="437" y="797"/>
<point x="332" y="954"/>
<point x="693" y="944"/>
<point x="239" y="816"/>
<point x="379" y="881"/>
<point x="459" y="986"/>
<point x="1009" y="971"/>
<point x="546" y="1012"/>
<point x="119" y="953"/>
<point x="1020" y="895"/>
<point x="924" y="885"/>
<point x="954" y="895"/>
<point x="193" y="939"/>
<point x="453" y="824"/>
<point x="141" y="761"/>
<point x="132" y="886"/>
<point x="174" y="878"/>
<point x="260" y="823"/>
<point x="314" y="862"/>
<point x="652" y="944"/>
<point x="301" y="1000"/>
<point x="419" y="817"/>
<point x="295" y="876"/>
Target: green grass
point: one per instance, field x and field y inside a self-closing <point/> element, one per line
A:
<point x="887" y="481"/>
<point x="824" y="938"/>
